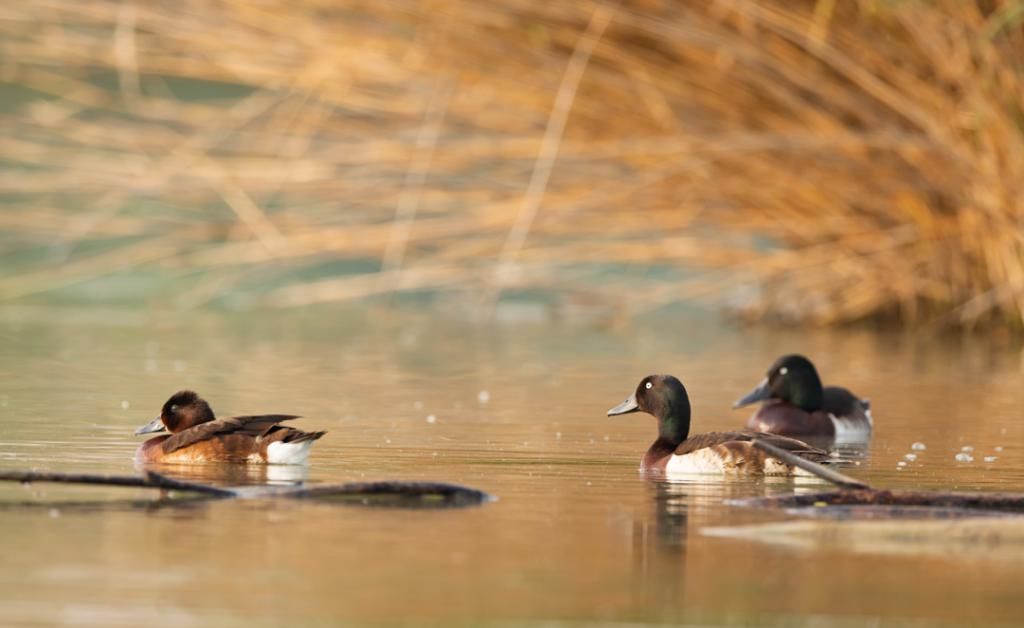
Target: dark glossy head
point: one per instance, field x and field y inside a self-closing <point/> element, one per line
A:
<point x="664" y="397"/>
<point x="183" y="410"/>
<point x="792" y="379"/>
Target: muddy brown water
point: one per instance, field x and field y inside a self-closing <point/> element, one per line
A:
<point x="516" y="408"/>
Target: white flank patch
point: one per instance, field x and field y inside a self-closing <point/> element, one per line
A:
<point x="700" y="461"/>
<point x="850" y="430"/>
<point x="709" y="461"/>
<point x="289" y="453"/>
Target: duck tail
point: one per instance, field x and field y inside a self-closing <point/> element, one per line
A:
<point x="298" y="436"/>
<point x="288" y="445"/>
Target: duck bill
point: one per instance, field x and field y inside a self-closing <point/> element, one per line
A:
<point x="156" y="425"/>
<point x="762" y="392"/>
<point x="627" y="406"/>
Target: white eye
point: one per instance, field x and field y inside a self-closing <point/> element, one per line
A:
<point x="174" y="408"/>
<point x="649" y="385"/>
<point x="783" y="371"/>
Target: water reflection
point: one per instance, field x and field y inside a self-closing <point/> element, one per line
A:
<point x="232" y="475"/>
<point x="945" y="533"/>
<point x="575" y="534"/>
<point x="188" y="507"/>
<point x="679" y="504"/>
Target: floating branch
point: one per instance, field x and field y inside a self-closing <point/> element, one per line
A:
<point x="376" y="493"/>
<point x="853" y="492"/>
<point x="149" y="480"/>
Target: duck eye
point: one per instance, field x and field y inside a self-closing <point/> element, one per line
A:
<point x="649" y="385"/>
<point x="783" y="371"/>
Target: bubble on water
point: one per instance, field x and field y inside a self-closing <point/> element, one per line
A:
<point x="387" y="441"/>
<point x="606" y="438"/>
<point x="910" y="457"/>
<point x="991" y="458"/>
<point x="964" y="457"/>
<point x="431" y="418"/>
<point x="588" y="483"/>
<point x="526" y="443"/>
<point x="918" y="446"/>
<point x="54" y="513"/>
<point x="418" y="405"/>
<point x="125" y="405"/>
<point x="483" y="397"/>
<point x="558" y="436"/>
<point x="901" y="463"/>
<point x="997" y="448"/>
<point x="967" y="448"/>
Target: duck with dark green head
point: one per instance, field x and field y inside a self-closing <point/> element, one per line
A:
<point x="797" y="405"/>
<point x="675" y="452"/>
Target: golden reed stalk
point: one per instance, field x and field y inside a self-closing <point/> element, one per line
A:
<point x="829" y="161"/>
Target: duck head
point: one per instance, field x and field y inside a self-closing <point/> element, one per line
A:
<point x="792" y="379"/>
<point x="183" y="410"/>
<point x="664" y="397"/>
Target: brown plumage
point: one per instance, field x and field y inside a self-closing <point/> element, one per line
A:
<point x="198" y="436"/>
<point x="741" y="441"/>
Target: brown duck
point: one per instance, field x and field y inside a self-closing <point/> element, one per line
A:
<point x="196" y="435"/>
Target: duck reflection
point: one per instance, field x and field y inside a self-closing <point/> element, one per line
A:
<point x="232" y="474"/>
<point x="681" y="506"/>
<point x="660" y="539"/>
<point x="678" y="501"/>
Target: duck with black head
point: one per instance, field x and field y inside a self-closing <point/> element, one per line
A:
<point x="197" y="435"/>
<point x="797" y="405"/>
<point x="675" y="452"/>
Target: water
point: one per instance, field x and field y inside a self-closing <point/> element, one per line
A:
<point x="519" y="411"/>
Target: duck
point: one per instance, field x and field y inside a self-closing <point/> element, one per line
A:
<point x="676" y="452"/>
<point x="197" y="435"/>
<point x="797" y="405"/>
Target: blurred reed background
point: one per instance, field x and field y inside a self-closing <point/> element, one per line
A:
<point x="821" y="162"/>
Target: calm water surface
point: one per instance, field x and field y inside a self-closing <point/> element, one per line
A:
<point x="519" y="411"/>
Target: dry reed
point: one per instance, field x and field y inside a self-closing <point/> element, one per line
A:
<point x="832" y="161"/>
